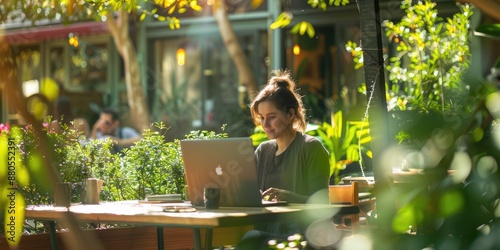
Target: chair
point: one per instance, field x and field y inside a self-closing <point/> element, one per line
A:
<point x="346" y="194"/>
<point x="366" y="199"/>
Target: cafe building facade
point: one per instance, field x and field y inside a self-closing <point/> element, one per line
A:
<point x="188" y="74"/>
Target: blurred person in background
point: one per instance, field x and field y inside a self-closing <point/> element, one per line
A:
<point x="108" y="126"/>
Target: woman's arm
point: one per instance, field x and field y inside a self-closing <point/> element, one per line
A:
<point x="276" y="194"/>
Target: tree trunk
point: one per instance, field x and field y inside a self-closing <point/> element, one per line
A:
<point x="245" y="74"/>
<point x="135" y="94"/>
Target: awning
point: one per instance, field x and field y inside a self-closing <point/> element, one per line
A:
<point x="56" y="31"/>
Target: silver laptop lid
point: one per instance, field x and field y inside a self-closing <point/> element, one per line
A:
<point x="226" y="163"/>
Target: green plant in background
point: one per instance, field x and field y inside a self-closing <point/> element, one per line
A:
<point x="432" y="56"/>
<point x="488" y="30"/>
<point x="173" y="106"/>
<point x="27" y="142"/>
<point x="74" y="161"/>
<point x="345" y="146"/>
<point x="90" y="160"/>
<point x="205" y="134"/>
<point x="152" y="166"/>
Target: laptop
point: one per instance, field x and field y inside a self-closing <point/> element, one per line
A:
<point x="225" y="163"/>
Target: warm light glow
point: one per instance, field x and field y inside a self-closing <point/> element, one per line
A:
<point x="181" y="56"/>
<point x="30" y="87"/>
<point x="296" y="49"/>
<point x="73" y="40"/>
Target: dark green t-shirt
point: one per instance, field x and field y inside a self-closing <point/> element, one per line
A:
<point x="302" y="168"/>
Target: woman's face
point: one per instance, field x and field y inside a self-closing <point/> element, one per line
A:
<point x="275" y="122"/>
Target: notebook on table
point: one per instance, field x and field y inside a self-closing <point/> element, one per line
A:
<point x="226" y="163"/>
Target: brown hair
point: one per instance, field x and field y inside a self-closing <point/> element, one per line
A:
<point x="280" y="91"/>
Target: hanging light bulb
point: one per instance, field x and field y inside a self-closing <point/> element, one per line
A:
<point x="296" y="49"/>
<point x="181" y="56"/>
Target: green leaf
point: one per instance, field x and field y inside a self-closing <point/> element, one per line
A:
<point x="281" y="21"/>
<point x="303" y="27"/>
<point x="295" y="29"/>
<point x="310" y="30"/>
<point x="488" y="30"/>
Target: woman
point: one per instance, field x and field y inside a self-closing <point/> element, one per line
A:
<point x="292" y="166"/>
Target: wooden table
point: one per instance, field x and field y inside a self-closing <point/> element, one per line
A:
<point x="133" y="212"/>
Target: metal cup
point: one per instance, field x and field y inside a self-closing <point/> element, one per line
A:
<point x="92" y="191"/>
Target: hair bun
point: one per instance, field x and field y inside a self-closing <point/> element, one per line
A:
<point x="282" y="84"/>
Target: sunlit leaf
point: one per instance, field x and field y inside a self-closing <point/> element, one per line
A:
<point x="164" y="3"/>
<point x="281" y="21"/>
<point x="369" y="153"/>
<point x="49" y="88"/>
<point x="177" y="23"/>
<point x="451" y="203"/>
<point x="303" y="27"/>
<point x="37" y="168"/>
<point x="194" y="5"/>
<point x="171" y="10"/>
<point x="22" y="174"/>
<point x="275" y="25"/>
<point x="4" y="149"/>
<point x="365" y="139"/>
<point x="256" y="3"/>
<point x="310" y="30"/>
<point x="405" y="218"/>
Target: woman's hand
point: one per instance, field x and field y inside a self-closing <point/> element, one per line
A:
<point x="275" y="194"/>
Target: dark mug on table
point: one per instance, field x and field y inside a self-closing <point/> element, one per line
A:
<point x="211" y="197"/>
